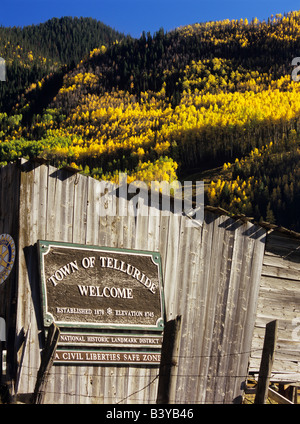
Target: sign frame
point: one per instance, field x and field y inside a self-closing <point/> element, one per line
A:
<point x="44" y="248"/>
<point x="116" y="357"/>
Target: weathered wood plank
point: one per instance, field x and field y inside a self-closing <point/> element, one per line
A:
<point x="218" y="331"/>
<point x="205" y="266"/>
<point x="171" y="261"/>
<point x="281" y="400"/>
<point x="289" y="261"/>
<point x="279" y="284"/>
<point x="270" y="305"/>
<point x="280" y="366"/>
<point x="284" y="273"/>
<point x="184" y="274"/>
<point x="93" y="200"/>
<point x="43" y="201"/>
<point x="278" y="240"/>
<point x="141" y="242"/>
<point x="238" y="279"/>
<point x="169" y="362"/>
<point x="79" y="224"/>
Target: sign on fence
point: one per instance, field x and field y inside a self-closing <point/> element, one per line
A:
<point x="102" y="298"/>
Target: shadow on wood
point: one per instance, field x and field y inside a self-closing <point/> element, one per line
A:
<point x="46" y="363"/>
<point x="169" y="360"/>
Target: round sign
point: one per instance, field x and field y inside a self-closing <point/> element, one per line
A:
<point x="7" y="256"/>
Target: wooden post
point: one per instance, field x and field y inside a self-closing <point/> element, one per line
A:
<point x="2" y="342"/>
<point x="46" y="363"/>
<point x="1" y="360"/>
<point x="169" y="360"/>
<point x="266" y="363"/>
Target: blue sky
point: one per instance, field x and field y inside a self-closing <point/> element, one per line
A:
<point x="134" y="16"/>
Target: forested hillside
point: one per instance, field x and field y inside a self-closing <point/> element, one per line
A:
<point x="33" y="52"/>
<point x="168" y="105"/>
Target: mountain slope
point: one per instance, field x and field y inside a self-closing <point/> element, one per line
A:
<point x="164" y="106"/>
<point x="32" y="52"/>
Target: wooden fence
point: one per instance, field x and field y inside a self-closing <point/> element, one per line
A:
<point x="211" y="279"/>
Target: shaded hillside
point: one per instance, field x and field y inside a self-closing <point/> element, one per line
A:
<point x="138" y="65"/>
<point x="32" y="52"/>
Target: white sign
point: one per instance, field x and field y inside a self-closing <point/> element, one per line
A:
<point x="2" y="330"/>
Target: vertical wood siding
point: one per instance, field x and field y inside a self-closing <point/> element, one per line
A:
<point x="9" y="224"/>
<point x="211" y="277"/>
<point x="279" y="298"/>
